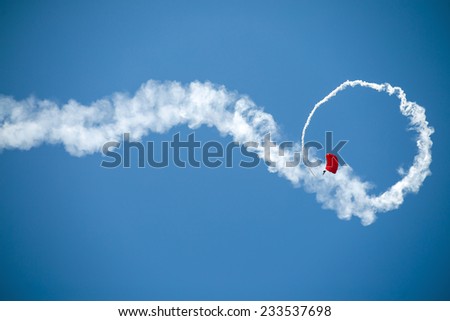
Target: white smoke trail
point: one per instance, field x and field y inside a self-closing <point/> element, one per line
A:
<point x="157" y="107"/>
<point x="348" y="194"/>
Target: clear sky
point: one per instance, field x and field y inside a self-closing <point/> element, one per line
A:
<point x="71" y="230"/>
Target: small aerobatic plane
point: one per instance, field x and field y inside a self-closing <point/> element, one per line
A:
<point x="332" y="164"/>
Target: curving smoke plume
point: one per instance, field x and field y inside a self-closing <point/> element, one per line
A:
<point x="353" y="197"/>
<point x="157" y="107"/>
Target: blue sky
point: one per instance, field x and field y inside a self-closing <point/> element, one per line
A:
<point x="71" y="230"/>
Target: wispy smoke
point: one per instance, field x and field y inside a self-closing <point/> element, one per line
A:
<point x="157" y="107"/>
<point x="346" y="193"/>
